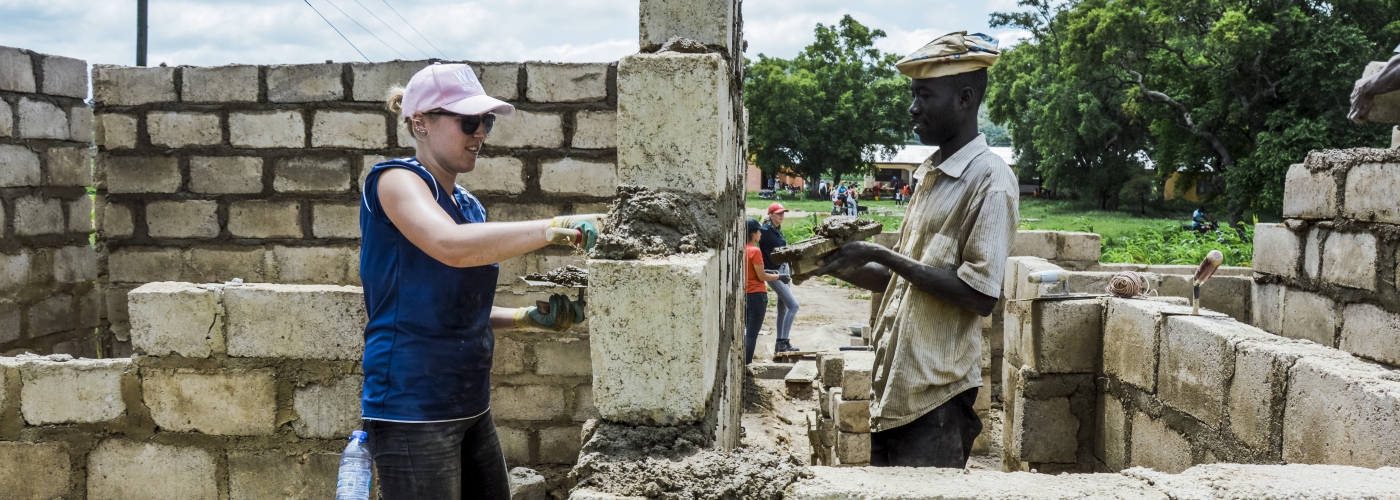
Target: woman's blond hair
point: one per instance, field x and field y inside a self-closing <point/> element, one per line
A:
<point x="394" y="101"/>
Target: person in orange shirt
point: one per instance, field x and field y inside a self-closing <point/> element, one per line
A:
<point x="755" y="291"/>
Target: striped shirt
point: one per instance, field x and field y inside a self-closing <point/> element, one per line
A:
<point x="963" y="218"/>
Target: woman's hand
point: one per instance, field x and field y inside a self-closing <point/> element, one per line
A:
<point x="559" y="315"/>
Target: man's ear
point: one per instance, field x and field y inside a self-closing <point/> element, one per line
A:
<point x="967" y="98"/>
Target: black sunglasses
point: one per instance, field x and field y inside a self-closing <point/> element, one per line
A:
<point x="470" y="122"/>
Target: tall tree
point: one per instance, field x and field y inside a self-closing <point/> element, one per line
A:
<point x="832" y="109"/>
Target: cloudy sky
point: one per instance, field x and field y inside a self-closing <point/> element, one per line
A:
<point x="217" y="32"/>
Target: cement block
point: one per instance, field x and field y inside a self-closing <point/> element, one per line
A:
<point x="9" y="331"/>
<point x="41" y="120"/>
<point x="182" y="219"/>
<point x="334" y="220"/>
<point x="70" y="166"/>
<point x="1274" y="481"/>
<point x="264" y="219"/>
<point x="1044" y="430"/>
<point x="1025" y="266"/>
<point x="38" y="471"/>
<point x="515" y="444"/>
<point x="80" y="125"/>
<point x="16" y="70"/>
<point x="563" y="357"/>
<point x="1371" y="332"/>
<point x="1341" y="411"/>
<point x="1197" y="362"/>
<point x="852" y="416"/>
<point x="261" y="474"/>
<point x="141" y="174"/>
<point x="1130" y="341"/>
<point x="305" y="83"/>
<point x="129" y="264"/>
<point x="7" y="119"/>
<point x="518" y="211"/>
<point x="313" y="265"/>
<point x="595" y="130"/>
<point x="1042" y="244"/>
<point x="710" y="22"/>
<point x="528" y="129"/>
<point x="1158" y="447"/>
<point x="584" y="409"/>
<point x="226" y="174"/>
<point x="1078" y="246"/>
<point x="78" y="391"/>
<point x="132" y="86"/>
<point x="272" y="129"/>
<point x="312" y="175"/>
<point x="566" y="82"/>
<point x="227" y="402"/>
<point x="51" y="315"/>
<point x="178" y="130"/>
<point x="232" y="83"/>
<point x="1370" y="192"/>
<point x="114" y="221"/>
<point x="1312" y="251"/>
<point x="35" y="216"/>
<point x="1256" y="395"/>
<point x="349" y="129"/>
<point x="508" y="357"/>
<point x="218" y="265"/>
<point x="501" y="174"/>
<point x="830" y="368"/>
<point x="1111" y="434"/>
<point x="1308" y="195"/>
<point x="21" y="166"/>
<point x="14" y="269"/>
<point x="76" y="264"/>
<point x="295" y="321"/>
<point x="175" y="318"/>
<point x="1309" y="316"/>
<point x="525" y="484"/>
<point x="569" y="176"/>
<point x="328" y="411"/>
<point x="1065" y="337"/>
<point x="856" y="373"/>
<point x="80" y="215"/>
<point x="115" y="131"/>
<point x="643" y="295"/>
<point x="675" y="123"/>
<point x="853" y="448"/>
<point x="1349" y="259"/>
<point x="1276" y="250"/>
<point x="65" y="76"/>
<point x="560" y="445"/>
<point x="119" y="469"/>
<point x="528" y="402"/>
<point x="1267" y="312"/>
<point x="372" y="80"/>
<point x="889" y="483"/>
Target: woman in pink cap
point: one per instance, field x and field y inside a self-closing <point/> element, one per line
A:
<point x="428" y="261"/>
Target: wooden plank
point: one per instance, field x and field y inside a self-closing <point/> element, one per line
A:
<point x="804" y="372"/>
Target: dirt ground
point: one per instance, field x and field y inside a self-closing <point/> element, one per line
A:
<point x="824" y="315"/>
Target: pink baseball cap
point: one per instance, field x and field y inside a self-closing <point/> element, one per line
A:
<point x="452" y="87"/>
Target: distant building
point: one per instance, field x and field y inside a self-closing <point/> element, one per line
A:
<point x="902" y="165"/>
<point x="756" y="180"/>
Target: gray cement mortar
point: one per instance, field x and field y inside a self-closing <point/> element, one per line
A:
<point x="652" y="223"/>
<point x="672" y="463"/>
<point x="565" y="276"/>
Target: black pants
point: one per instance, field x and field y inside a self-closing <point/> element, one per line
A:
<point x="755" y="307"/>
<point x="940" y="438"/>
<point x="439" y="460"/>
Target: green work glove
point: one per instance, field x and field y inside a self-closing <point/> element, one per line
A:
<point x="579" y="233"/>
<point x="563" y="314"/>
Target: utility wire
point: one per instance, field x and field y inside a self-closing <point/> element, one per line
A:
<point x="371" y="33"/>
<point x="390" y="28"/>
<point x="337" y="31"/>
<point x="415" y="30"/>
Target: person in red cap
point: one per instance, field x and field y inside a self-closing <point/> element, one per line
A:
<point x="428" y="262"/>
<point x="771" y="239"/>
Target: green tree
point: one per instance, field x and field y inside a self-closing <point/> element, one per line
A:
<point x="1240" y="88"/>
<point x="829" y="111"/>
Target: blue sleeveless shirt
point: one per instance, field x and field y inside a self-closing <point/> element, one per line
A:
<point x="428" y="341"/>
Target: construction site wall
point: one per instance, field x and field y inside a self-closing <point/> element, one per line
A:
<point x="47" y="263"/>
<point x="207" y="174"/>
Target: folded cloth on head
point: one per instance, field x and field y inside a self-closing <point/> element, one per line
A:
<point x="950" y="54"/>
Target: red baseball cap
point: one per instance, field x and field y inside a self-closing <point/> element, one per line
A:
<point x="452" y="87"/>
<point x="776" y="208"/>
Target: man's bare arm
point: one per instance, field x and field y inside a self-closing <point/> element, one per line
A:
<point x="1366" y="90"/>
<point x="871" y="266"/>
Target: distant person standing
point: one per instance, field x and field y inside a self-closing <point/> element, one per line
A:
<point x="851" y="203"/>
<point x="773" y="239"/>
<point x="755" y="289"/>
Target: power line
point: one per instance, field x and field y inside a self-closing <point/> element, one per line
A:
<point x="391" y="29"/>
<point x="357" y="23"/>
<point x="415" y="30"/>
<point x="337" y="31"/>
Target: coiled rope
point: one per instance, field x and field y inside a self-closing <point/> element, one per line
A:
<point x="1127" y="285"/>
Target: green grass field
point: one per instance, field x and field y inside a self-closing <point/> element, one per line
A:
<point x="1064" y="215"/>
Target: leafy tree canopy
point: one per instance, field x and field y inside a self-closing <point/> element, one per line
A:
<point x="831" y="109"/>
<point x="1240" y="88"/>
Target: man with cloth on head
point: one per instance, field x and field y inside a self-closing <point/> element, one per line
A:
<point x="945" y="273"/>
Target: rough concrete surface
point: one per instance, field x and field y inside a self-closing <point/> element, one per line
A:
<point x="902" y="483"/>
<point x="1279" y="482"/>
<point x="648" y="222"/>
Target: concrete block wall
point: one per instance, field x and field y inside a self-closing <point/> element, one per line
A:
<point x="1104" y="384"/>
<point x="48" y="302"/>
<point x="842" y="427"/>
<point x="1328" y="273"/>
<point x="245" y="391"/>
<point x="206" y="174"/>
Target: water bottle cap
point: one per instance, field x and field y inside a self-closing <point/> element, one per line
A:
<point x="358" y="436"/>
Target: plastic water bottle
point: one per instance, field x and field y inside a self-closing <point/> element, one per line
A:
<point x="353" y="480"/>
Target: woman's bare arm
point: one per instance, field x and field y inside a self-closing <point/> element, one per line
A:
<point x="409" y="204"/>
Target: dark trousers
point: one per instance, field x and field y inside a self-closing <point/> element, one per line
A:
<point x="940" y="438"/>
<point x="440" y="460"/>
<point x="755" y="306"/>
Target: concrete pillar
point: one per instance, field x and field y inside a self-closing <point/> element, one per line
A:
<point x="665" y="332"/>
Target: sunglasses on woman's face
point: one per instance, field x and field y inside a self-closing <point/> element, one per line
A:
<point x="470" y="122"/>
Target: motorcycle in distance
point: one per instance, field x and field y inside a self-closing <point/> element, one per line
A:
<point x="1203" y="224"/>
